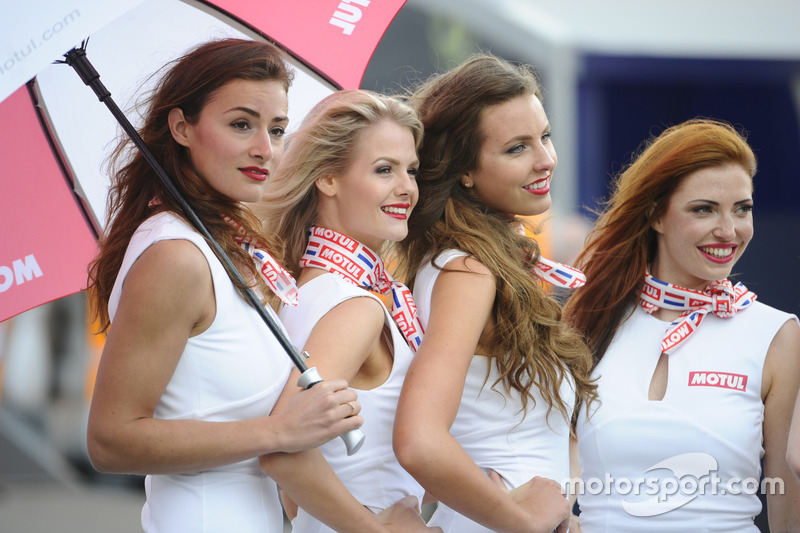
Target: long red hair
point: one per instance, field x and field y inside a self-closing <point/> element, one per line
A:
<point x="623" y="243"/>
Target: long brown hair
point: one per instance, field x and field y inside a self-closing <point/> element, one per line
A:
<point x="623" y="243"/>
<point x="188" y="84"/>
<point x="324" y="144"/>
<point x="530" y="345"/>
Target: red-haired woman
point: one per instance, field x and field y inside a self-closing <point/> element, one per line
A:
<point x="696" y="378"/>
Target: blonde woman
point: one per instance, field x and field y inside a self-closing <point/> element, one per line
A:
<point x="346" y="186"/>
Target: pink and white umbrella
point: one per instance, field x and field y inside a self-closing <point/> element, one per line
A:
<point x="55" y="135"/>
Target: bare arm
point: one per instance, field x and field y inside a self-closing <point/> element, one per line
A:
<point x="167" y="298"/>
<point x="430" y="400"/>
<point x="345" y="343"/>
<point x="574" y="473"/>
<point x="793" y="447"/>
<point x="781" y="377"/>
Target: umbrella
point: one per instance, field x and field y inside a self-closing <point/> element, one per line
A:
<point x="28" y="44"/>
<point x="78" y="154"/>
<point x="54" y="137"/>
<point x="31" y="40"/>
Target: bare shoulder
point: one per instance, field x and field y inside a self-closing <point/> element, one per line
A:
<point x="178" y="257"/>
<point x="466" y="264"/>
<point x="785" y="346"/>
<point x="462" y="299"/>
<point x="346" y="338"/>
<point x="782" y="364"/>
<point x="172" y="278"/>
<point x="364" y="311"/>
<point x="462" y="273"/>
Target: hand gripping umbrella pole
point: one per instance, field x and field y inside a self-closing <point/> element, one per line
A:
<point x="76" y="58"/>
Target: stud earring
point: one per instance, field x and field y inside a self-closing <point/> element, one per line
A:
<point x="468" y="184"/>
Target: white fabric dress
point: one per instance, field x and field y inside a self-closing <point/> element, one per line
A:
<point x="665" y="465"/>
<point x="372" y="475"/>
<point x="232" y="371"/>
<point x="490" y="426"/>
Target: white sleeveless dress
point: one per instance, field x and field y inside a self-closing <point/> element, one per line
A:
<point x="234" y="370"/>
<point x="490" y="426"/>
<point x="666" y="465"/>
<point x="372" y="475"/>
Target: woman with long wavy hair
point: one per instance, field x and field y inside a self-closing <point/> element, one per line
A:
<point x="484" y="416"/>
<point x="189" y="373"/>
<point x="696" y="378"/>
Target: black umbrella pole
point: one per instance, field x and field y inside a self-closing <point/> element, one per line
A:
<point x="76" y="58"/>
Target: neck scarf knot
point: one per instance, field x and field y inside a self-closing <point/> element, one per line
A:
<point x="274" y="275"/>
<point x="339" y="254"/>
<point x="556" y="273"/>
<point x="721" y="298"/>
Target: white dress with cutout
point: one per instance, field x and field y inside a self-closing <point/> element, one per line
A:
<point x="674" y="465"/>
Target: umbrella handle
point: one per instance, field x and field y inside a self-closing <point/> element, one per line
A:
<point x="354" y="438"/>
<point x="76" y="58"/>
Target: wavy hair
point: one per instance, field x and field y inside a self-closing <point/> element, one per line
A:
<point x="324" y="144"/>
<point x="623" y="242"/>
<point x="189" y="83"/>
<point x="530" y="345"/>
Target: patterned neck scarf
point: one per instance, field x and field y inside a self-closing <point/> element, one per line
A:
<point x="556" y="273"/>
<point x="720" y="297"/>
<point x="337" y="253"/>
<point x="274" y="275"/>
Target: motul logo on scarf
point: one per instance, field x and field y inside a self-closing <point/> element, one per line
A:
<point x="405" y="321"/>
<point x="347" y="15"/>
<point x="346" y="265"/>
<point x="20" y="271"/>
<point x="677" y="336"/>
<point x="342" y="240"/>
<point x="652" y="292"/>
<point x="405" y="326"/>
<point x="409" y="300"/>
<point x="718" y="379"/>
<point x="269" y="272"/>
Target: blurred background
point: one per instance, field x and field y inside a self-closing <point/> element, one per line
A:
<point x="613" y="73"/>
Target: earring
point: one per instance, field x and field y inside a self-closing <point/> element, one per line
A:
<point x="468" y="184"/>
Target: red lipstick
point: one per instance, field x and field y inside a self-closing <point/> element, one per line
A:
<point x="718" y="253"/>
<point x="398" y="211"/>
<point x="255" y="173"/>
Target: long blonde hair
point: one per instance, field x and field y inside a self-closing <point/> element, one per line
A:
<point x="324" y="144"/>
<point x="529" y="344"/>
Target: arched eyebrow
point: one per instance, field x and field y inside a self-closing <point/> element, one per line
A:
<point x="392" y="161"/>
<point x="714" y="202"/>
<point x="526" y="137"/>
<point x="256" y="114"/>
